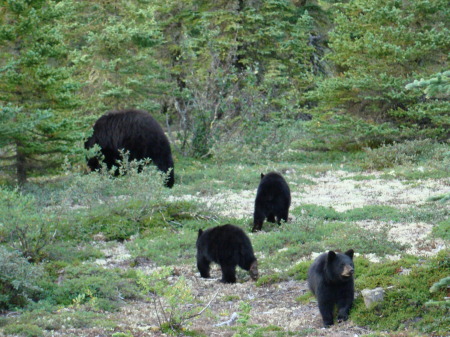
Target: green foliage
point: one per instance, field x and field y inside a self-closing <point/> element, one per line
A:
<point x="18" y="280"/>
<point x="375" y="212"/>
<point x="114" y="54"/>
<point x="122" y="334"/>
<point x="406" y="153"/>
<point x="378" y="47"/>
<point x="443" y="284"/>
<point x="54" y="320"/>
<point x="407" y="297"/>
<point x="24" y="330"/>
<point x="174" y="245"/>
<point x="438" y="85"/>
<point x="39" y="125"/>
<point x="118" y="207"/>
<point x="305" y="298"/>
<point x="441" y="198"/>
<point x="268" y="279"/>
<point x="442" y="229"/>
<point x="294" y="241"/>
<point x="92" y="287"/>
<point x="172" y="302"/>
<point x="260" y="142"/>
<point x="243" y="329"/>
<point x="300" y="270"/>
<point x="233" y="63"/>
<point x="23" y="226"/>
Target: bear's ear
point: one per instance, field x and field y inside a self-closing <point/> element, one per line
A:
<point x="331" y="256"/>
<point x="200" y="232"/>
<point x="349" y="253"/>
<point x="262" y="175"/>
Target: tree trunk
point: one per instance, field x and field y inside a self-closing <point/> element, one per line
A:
<point x="21" y="165"/>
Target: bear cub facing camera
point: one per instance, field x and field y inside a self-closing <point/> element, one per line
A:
<point x="273" y="199"/>
<point x="330" y="278"/>
<point x="229" y="247"/>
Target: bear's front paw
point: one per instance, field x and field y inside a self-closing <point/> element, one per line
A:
<point x="342" y="318"/>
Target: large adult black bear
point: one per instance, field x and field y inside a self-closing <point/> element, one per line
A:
<point x="330" y="278"/>
<point x="273" y="199"/>
<point x="134" y="131"/>
<point x="228" y="246"/>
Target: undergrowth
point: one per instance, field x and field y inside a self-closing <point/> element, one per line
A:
<point x="50" y="233"/>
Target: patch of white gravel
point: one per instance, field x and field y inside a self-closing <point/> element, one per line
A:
<point x="114" y="255"/>
<point x="340" y="191"/>
<point x="415" y="236"/>
<point x="334" y="189"/>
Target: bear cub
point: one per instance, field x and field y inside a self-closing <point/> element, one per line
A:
<point x="229" y="247"/>
<point x="273" y="199"/>
<point x="330" y="278"/>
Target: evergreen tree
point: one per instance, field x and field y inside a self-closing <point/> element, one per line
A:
<point x="114" y="44"/>
<point x="379" y="46"/>
<point x="234" y="61"/>
<point x="37" y="95"/>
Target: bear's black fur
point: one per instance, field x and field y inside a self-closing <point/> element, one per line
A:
<point x="273" y="199"/>
<point x="330" y="278"/>
<point x="229" y="247"/>
<point x="134" y="131"/>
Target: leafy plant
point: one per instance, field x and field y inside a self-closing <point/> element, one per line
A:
<point x="24" y="227"/>
<point x="407" y="295"/>
<point x="172" y="302"/>
<point x="24" y="330"/>
<point x="243" y="320"/>
<point x="18" y="280"/>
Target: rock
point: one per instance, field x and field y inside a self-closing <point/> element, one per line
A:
<point x="372" y="296"/>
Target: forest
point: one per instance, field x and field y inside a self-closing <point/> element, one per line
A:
<point x="349" y="100"/>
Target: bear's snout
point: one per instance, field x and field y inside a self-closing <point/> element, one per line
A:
<point x="348" y="271"/>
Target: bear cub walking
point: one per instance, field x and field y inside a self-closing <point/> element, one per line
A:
<point x="273" y="199"/>
<point x="330" y="278"/>
<point x="227" y="246"/>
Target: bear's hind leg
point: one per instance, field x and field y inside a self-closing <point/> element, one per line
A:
<point x="228" y="273"/>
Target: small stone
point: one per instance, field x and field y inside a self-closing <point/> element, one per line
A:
<point x="372" y="296"/>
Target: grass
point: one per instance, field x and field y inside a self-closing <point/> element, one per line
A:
<point x="158" y="225"/>
<point x="406" y="295"/>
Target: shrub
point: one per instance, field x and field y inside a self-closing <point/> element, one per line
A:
<point x="406" y="153"/>
<point x="23" y="226"/>
<point x="18" y="279"/>
<point x="407" y="295"/>
<point x="93" y="287"/>
<point x="24" y="330"/>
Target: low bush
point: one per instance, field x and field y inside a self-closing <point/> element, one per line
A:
<point x="407" y="294"/>
<point x="18" y="280"/>
<point x="406" y="153"/>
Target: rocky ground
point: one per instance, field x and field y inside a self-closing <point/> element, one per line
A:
<point x="275" y="304"/>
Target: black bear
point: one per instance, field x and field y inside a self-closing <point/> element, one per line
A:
<point x="273" y="199"/>
<point x="134" y="131"/>
<point x="330" y="278"/>
<point x="229" y="247"/>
